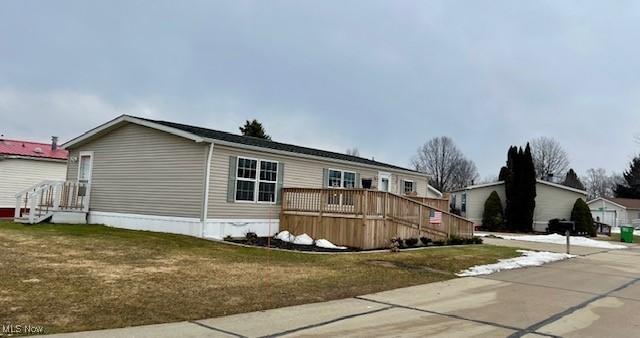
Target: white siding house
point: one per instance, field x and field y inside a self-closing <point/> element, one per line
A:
<point x="24" y="164"/>
<point x="616" y="211"/>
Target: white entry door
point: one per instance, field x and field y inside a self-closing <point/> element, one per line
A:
<point x="384" y="181"/>
<point x="85" y="166"/>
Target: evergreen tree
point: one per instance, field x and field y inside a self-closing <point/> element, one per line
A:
<point x="255" y="129"/>
<point x="520" y="189"/>
<point x="631" y="186"/>
<point x="528" y="187"/>
<point x="492" y="217"/>
<point x="510" y="189"/>
<point x="582" y="217"/>
<point x="504" y="173"/>
<point x="572" y="180"/>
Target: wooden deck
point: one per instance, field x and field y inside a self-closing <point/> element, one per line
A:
<point x="365" y="219"/>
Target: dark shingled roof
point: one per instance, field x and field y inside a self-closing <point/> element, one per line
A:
<point x="259" y="142"/>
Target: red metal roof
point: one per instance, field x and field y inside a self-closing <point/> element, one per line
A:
<point x="31" y="149"/>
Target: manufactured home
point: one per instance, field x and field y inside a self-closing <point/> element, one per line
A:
<point x="552" y="201"/>
<point x="24" y="164"/>
<point x="139" y="173"/>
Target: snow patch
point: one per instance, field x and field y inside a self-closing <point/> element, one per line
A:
<point x="303" y="239"/>
<point x="528" y="258"/>
<point x="285" y="236"/>
<point x="323" y="243"/>
<point x="559" y="239"/>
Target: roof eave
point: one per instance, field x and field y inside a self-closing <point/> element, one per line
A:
<point x="181" y="133"/>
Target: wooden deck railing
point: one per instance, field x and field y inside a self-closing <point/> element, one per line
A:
<point x="438" y="203"/>
<point x="336" y="213"/>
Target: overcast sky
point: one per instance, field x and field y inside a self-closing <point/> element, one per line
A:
<point x="381" y="76"/>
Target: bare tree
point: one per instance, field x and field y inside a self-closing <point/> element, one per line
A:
<point x="445" y="164"/>
<point x="599" y="184"/>
<point x="549" y="158"/>
<point x="353" y="151"/>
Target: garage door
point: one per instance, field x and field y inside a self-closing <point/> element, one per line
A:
<point x="606" y="217"/>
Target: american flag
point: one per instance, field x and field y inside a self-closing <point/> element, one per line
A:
<point x="435" y="217"/>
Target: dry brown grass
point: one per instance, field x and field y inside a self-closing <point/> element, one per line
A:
<point x="72" y="278"/>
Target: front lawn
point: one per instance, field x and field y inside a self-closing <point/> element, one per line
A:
<point x="83" y="277"/>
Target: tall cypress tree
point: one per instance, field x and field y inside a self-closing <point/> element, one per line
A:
<point x="528" y="187"/>
<point x="510" y="189"/>
<point x="520" y="189"/>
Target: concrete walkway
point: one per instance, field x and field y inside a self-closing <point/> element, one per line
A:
<point x="594" y="295"/>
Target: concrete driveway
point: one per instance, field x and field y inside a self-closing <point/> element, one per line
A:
<point x="594" y="295"/>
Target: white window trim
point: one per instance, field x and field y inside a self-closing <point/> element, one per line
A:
<point x="80" y="155"/>
<point x="413" y="186"/>
<point x="256" y="181"/>
<point x="355" y="174"/>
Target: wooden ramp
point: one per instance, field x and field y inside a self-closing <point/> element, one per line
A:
<point x="365" y="219"/>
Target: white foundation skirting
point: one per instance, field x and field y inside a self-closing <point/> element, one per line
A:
<point x="174" y="225"/>
<point x="213" y="228"/>
<point x="220" y="228"/>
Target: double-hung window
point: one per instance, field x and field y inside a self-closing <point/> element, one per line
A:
<point x="256" y="180"/>
<point x="341" y="179"/>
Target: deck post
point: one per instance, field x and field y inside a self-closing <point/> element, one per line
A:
<point x="17" y="211"/>
<point x="365" y="206"/>
<point x="323" y="198"/>
<point x="420" y="219"/>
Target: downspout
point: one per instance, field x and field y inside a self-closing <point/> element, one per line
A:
<point x="205" y="198"/>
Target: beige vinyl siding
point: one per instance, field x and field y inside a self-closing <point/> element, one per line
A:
<point x="552" y="202"/>
<point x="140" y="170"/>
<point x="419" y="181"/>
<point x="614" y="213"/>
<point x="476" y="199"/>
<point x="19" y="174"/>
<point x="298" y="172"/>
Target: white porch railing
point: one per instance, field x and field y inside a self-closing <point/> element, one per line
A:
<point x="38" y="202"/>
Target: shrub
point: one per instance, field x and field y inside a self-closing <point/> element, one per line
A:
<point x="425" y="240"/>
<point x="493" y="217"/>
<point x="395" y="244"/>
<point x="455" y="240"/>
<point x="438" y="243"/>
<point x="228" y="238"/>
<point x="410" y="242"/>
<point x="582" y="217"/>
<point x="477" y="240"/>
<point x="251" y="238"/>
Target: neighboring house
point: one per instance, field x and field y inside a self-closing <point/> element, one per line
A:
<point x="615" y="211"/>
<point x="170" y="177"/>
<point x="24" y="164"/>
<point x="552" y="201"/>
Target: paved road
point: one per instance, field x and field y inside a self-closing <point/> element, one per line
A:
<point x="594" y="295"/>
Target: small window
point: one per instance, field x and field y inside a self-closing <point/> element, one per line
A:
<point x="463" y="206"/>
<point x="408" y="187"/>
<point x="251" y="186"/>
<point x="453" y="201"/>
